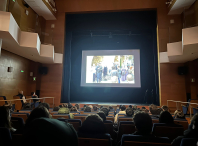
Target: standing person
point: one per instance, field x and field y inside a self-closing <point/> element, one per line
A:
<point x="119" y="74"/>
<point x="99" y="73"/>
<point x="34" y="96"/>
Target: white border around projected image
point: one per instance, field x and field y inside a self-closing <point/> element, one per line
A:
<point x="136" y="56"/>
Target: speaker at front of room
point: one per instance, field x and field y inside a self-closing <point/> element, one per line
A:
<point x="43" y="70"/>
<point x="182" y="70"/>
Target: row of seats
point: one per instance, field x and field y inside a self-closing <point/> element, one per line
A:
<point x="104" y="140"/>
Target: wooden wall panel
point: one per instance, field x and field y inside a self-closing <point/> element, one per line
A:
<point x="172" y="85"/>
<point x="52" y="82"/>
<point x="11" y="82"/>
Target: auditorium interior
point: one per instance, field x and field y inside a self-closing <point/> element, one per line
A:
<point x="63" y="81"/>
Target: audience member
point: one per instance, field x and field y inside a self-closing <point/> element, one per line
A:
<point x="102" y="115"/>
<point x="110" y="108"/>
<point x="73" y="109"/>
<point x="93" y="124"/>
<point x="122" y="111"/>
<point x="5" y="118"/>
<point x="51" y="132"/>
<point x="190" y="133"/>
<point x="178" y="114"/>
<point x="154" y="110"/>
<point x="135" y="107"/>
<point x="56" y="108"/>
<point x="65" y="110"/>
<point x="69" y="105"/>
<point x="34" y="96"/>
<point x="165" y="108"/>
<point x="129" y="112"/>
<point x="166" y="117"/>
<point x="143" y="123"/>
<point x="87" y="109"/>
<point x="37" y="113"/>
<point x="105" y="110"/>
<point x="95" y="108"/>
<point x="46" y="105"/>
<point x="130" y="106"/>
<point x="143" y="108"/>
<point x="77" y="105"/>
<point x="25" y="104"/>
<point x="91" y="106"/>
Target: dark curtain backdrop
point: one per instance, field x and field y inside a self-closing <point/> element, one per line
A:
<point x="111" y="31"/>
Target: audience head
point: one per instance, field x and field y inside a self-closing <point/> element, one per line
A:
<point x="85" y="105"/>
<point x="46" y="105"/>
<point x="143" y="108"/>
<point x="49" y="132"/>
<point x="194" y="122"/>
<point x="95" y="108"/>
<point x="105" y="110"/>
<point x="129" y="112"/>
<point x="38" y="113"/>
<point x="102" y="115"/>
<point x="152" y="107"/>
<point x="120" y="106"/>
<point x="110" y="107"/>
<point x="5" y="117"/>
<point x="91" y="106"/>
<point x="73" y="109"/>
<point x="165" y="108"/>
<point x="77" y="105"/>
<point x="179" y="114"/>
<point x="130" y="106"/>
<point x="143" y="123"/>
<point x="33" y="93"/>
<point x="93" y="124"/>
<point x="87" y="109"/>
<point x="166" y="117"/>
<point x="20" y="92"/>
<point x="135" y="107"/>
<point x="69" y="105"/>
<point x="123" y="108"/>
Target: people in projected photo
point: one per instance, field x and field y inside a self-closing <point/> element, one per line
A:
<point x="119" y="74"/>
<point x="99" y="73"/>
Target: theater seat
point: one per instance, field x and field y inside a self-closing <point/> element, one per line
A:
<point x="82" y="117"/>
<point x="138" y="140"/>
<point x="125" y="127"/>
<point x="76" y="123"/>
<point x="110" y="118"/>
<point x="170" y="131"/>
<point x="5" y="137"/>
<point x="183" y="123"/>
<point x="94" y="139"/>
<point x="195" y="110"/>
<point x="185" y="107"/>
<point x="18" y="123"/>
<point x="109" y="127"/>
<point x="124" y="119"/>
<point x="25" y="111"/>
<point x="56" y="116"/>
<point x="21" y="115"/>
<point x="189" y="142"/>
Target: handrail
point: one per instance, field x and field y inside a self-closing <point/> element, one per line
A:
<point x="31" y="99"/>
<point x="183" y="102"/>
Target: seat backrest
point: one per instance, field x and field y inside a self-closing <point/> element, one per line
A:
<point x="17" y="123"/>
<point x="109" y="127"/>
<point x="21" y="115"/>
<point x="121" y="115"/>
<point x="56" y="116"/>
<point x="18" y="103"/>
<point x="189" y="142"/>
<point x="183" y="123"/>
<point x="162" y="130"/>
<point x="139" y="140"/>
<point x="76" y="123"/>
<point x="94" y="139"/>
<point x="81" y="117"/>
<point x="111" y="114"/>
<point x="125" y="127"/>
<point x="195" y="110"/>
<point x="124" y="119"/>
<point x="93" y="142"/>
<point x="110" y="118"/>
<point x="155" y="121"/>
<point x="5" y="136"/>
<point x="25" y="111"/>
<point x="136" y="143"/>
<point x="54" y="112"/>
<point x="3" y="102"/>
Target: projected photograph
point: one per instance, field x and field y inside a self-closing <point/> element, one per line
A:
<point x="110" y="69"/>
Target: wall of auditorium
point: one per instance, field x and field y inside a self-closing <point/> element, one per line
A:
<point x="167" y="33"/>
<point x="11" y="82"/>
